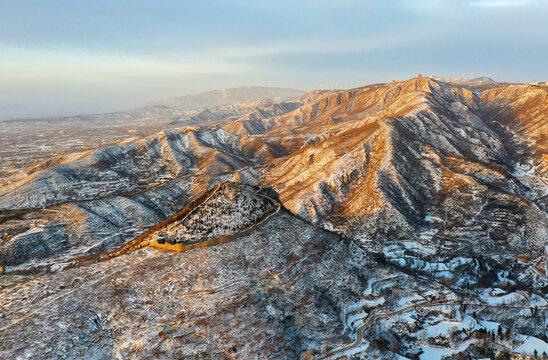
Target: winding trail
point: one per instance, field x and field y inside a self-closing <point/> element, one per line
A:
<point x="359" y="331"/>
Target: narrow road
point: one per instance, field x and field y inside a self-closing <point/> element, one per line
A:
<point x="359" y="332"/>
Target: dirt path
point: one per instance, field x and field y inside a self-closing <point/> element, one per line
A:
<point x="359" y="331"/>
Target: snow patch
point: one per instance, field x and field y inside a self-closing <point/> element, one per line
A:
<point x="531" y="344"/>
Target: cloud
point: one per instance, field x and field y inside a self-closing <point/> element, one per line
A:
<point x="501" y="3"/>
<point x="90" y="66"/>
<point x="85" y="65"/>
<point x="321" y="46"/>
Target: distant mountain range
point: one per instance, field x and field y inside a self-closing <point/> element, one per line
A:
<point x="174" y="108"/>
<point x="223" y="97"/>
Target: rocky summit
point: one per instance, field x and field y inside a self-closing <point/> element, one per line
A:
<point x="402" y="220"/>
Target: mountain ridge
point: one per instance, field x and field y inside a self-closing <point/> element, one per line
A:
<point x="437" y="185"/>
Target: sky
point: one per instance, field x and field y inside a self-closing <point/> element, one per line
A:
<point x="108" y="55"/>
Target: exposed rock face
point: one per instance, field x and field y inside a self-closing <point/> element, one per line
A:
<point x="522" y="109"/>
<point x="446" y="180"/>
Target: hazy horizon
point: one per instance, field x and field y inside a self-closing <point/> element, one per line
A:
<point x="112" y="56"/>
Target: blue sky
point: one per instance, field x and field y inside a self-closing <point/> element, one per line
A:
<point x="120" y="54"/>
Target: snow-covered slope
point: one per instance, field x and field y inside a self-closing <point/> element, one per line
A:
<point x="440" y="181"/>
